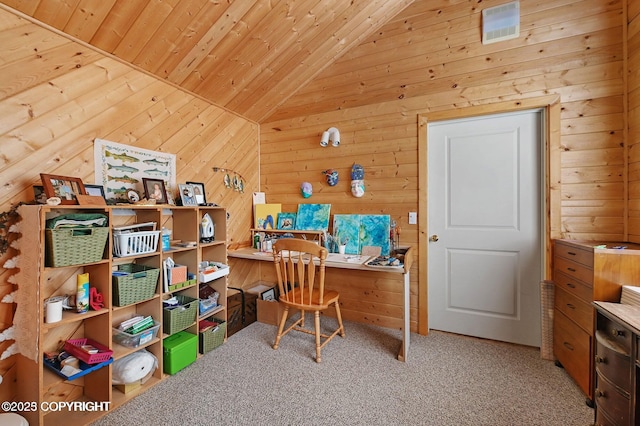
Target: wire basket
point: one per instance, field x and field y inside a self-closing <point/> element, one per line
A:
<point x="213" y="336"/>
<point x="131" y="240"/>
<point x="133" y="283"/>
<point x="178" y="318"/>
<point x="75" y="246"/>
<point x="546" y="311"/>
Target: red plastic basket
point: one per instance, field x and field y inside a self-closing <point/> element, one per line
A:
<point x="74" y="347"/>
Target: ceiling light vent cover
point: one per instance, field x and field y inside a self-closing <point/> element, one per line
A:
<point x="501" y="22"/>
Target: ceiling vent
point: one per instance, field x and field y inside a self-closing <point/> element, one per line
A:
<point x="501" y="22"/>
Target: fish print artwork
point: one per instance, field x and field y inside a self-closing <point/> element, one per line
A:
<point x="125" y="169"/>
<point x="120" y="168"/>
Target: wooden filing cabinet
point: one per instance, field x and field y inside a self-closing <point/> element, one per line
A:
<point x="584" y="272"/>
<point x="617" y="364"/>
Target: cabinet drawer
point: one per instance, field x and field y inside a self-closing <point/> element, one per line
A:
<point x="576" y="309"/>
<point x="603" y="418"/>
<point x="577" y="254"/>
<point x="612" y="362"/>
<point x="615" y="333"/>
<point x="573" y="286"/>
<point x="573" y="270"/>
<point x="572" y="347"/>
<point x="608" y="399"/>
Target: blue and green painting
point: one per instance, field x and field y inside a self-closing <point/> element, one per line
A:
<point x="363" y="230"/>
<point x="313" y="217"/>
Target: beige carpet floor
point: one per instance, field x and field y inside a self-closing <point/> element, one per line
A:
<point x="447" y="380"/>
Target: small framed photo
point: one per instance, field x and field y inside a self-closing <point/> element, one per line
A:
<point x="38" y="194"/>
<point x="286" y="220"/>
<point x="133" y="196"/>
<point x="95" y="190"/>
<point x="198" y="192"/>
<point x="154" y="189"/>
<point x="169" y="193"/>
<point x="64" y="187"/>
<point x="268" y="294"/>
<point x="187" y="195"/>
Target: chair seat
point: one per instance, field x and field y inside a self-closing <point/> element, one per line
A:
<point x="293" y="299"/>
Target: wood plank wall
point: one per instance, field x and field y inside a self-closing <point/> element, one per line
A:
<point x="633" y="84"/>
<point x="566" y="48"/>
<point x="57" y="95"/>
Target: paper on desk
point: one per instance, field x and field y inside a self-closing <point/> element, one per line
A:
<point x="346" y="258"/>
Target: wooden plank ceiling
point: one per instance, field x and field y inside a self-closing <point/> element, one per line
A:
<point x="249" y="56"/>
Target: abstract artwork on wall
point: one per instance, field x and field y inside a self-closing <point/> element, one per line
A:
<point x="363" y="230"/>
<point x="266" y="216"/>
<point x="346" y="227"/>
<point x="313" y="217"/>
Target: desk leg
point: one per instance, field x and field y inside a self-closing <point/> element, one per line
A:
<point x="406" y="328"/>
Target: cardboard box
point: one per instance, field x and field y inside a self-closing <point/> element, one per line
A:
<point x="129" y="387"/>
<point x="269" y="311"/>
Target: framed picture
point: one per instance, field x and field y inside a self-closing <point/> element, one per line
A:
<point x="154" y="189"/>
<point x="198" y="192"/>
<point x="38" y="194"/>
<point x="133" y="196"/>
<point x="64" y="187"/>
<point x="170" y="199"/>
<point x="95" y="190"/>
<point x="286" y="220"/>
<point x="268" y="294"/>
<point x="187" y="195"/>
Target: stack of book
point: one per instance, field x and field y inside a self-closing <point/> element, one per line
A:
<point x="630" y="295"/>
<point x="137" y="324"/>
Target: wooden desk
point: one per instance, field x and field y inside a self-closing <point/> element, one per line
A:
<point x="333" y="278"/>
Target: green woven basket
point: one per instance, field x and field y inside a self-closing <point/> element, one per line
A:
<point x="140" y="284"/>
<point x="181" y="317"/>
<point x="75" y="246"/>
<point x="212" y="338"/>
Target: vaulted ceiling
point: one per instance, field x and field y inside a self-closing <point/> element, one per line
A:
<point x="249" y="56"/>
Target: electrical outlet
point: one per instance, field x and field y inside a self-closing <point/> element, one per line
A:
<point x="413" y="218"/>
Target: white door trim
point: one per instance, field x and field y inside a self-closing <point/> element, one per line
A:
<point x="550" y="187"/>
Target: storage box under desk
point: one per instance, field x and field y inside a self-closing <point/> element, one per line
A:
<point x="180" y="350"/>
<point x="240" y="315"/>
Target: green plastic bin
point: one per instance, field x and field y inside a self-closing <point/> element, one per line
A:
<point x="180" y="351"/>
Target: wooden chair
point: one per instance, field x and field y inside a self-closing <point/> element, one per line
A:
<point x="301" y="285"/>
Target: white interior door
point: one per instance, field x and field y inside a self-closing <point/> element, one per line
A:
<point x="484" y="207"/>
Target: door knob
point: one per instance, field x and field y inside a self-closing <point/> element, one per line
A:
<point x="433" y="238"/>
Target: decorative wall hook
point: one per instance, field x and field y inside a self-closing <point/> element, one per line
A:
<point x="236" y="182"/>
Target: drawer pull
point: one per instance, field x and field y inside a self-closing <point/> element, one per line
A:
<point x="570" y="306"/>
<point x="568" y="345"/>
<point x="601" y="359"/>
<point x="600" y="394"/>
<point x="570" y="285"/>
<point x="571" y="253"/>
<point x="617" y="333"/>
<point x="571" y="269"/>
